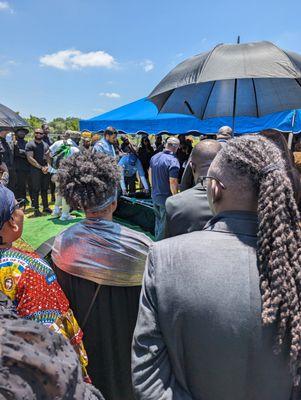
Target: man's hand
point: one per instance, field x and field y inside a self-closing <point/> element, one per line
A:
<point x="45" y="170"/>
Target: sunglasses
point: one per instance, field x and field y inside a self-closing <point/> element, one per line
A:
<point x="20" y="205"/>
<point x="203" y="180"/>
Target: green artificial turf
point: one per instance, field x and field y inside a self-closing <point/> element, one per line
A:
<point x="37" y="230"/>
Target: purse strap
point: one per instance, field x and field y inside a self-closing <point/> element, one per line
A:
<point x="90" y="307"/>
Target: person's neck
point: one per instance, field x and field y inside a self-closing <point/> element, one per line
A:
<point x="198" y="174"/>
<point x="38" y="141"/>
<point x="108" y="216"/>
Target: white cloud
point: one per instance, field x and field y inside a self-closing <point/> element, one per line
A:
<point x="75" y="59"/>
<point x="4" y="6"/>
<point x="147" y="65"/>
<point x="6" y="66"/>
<point x="110" y="95"/>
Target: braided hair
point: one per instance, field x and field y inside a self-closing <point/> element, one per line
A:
<point x="279" y="238"/>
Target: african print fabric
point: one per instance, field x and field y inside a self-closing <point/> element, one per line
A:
<point x="32" y="286"/>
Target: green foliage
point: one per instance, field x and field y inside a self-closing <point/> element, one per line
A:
<point x="34" y="123"/>
<point x="57" y="125"/>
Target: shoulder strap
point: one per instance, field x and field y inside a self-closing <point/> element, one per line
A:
<point x="90" y="307"/>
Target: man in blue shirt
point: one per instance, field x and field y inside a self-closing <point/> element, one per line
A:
<point x="165" y="169"/>
<point x="131" y="164"/>
<point x="106" y="144"/>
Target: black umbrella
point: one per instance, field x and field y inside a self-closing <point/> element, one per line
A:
<point x="251" y="79"/>
<point x="10" y="119"/>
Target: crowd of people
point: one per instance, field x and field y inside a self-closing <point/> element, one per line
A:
<point x="28" y="168"/>
<point x="211" y="312"/>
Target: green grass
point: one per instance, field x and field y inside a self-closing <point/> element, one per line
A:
<point x="37" y="230"/>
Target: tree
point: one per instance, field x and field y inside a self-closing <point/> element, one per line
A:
<point x="35" y="122"/>
<point x="59" y="125"/>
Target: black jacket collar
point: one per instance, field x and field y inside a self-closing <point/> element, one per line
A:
<point x="234" y="222"/>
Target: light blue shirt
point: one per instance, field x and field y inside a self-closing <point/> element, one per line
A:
<point x="103" y="146"/>
<point x="131" y="164"/>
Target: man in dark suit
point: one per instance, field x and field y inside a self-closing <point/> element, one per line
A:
<point x="219" y="315"/>
<point x="189" y="211"/>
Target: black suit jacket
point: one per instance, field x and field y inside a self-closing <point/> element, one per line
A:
<point x="187" y="211"/>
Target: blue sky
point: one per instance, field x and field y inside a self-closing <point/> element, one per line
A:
<point x="84" y="57"/>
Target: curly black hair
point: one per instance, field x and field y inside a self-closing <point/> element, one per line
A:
<point x="279" y="236"/>
<point x="87" y="179"/>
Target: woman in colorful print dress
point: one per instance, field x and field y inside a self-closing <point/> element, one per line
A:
<point x="30" y="282"/>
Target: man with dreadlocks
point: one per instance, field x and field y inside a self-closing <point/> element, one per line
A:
<point x="219" y="315"/>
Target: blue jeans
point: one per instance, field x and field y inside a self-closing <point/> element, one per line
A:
<point x="160" y="214"/>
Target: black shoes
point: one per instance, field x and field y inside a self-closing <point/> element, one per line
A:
<point x="47" y="211"/>
<point x="37" y="213"/>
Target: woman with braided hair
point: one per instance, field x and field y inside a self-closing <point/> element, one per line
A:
<point x="221" y="308"/>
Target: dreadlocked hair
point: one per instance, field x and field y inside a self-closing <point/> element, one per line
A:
<point x="279" y="239"/>
<point x="87" y="179"/>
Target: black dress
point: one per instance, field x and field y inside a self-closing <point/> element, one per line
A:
<point x="97" y="251"/>
<point x="108" y="331"/>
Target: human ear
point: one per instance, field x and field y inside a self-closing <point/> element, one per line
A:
<point x="216" y="191"/>
<point x="13" y="225"/>
<point x="114" y="206"/>
<point x="192" y="166"/>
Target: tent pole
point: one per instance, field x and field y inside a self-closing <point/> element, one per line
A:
<point x="290" y="140"/>
<point x="291" y="134"/>
<point x="234" y="105"/>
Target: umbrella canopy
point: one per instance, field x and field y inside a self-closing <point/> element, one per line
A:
<point x="252" y="79"/>
<point x="142" y="116"/>
<point x="10" y="119"/>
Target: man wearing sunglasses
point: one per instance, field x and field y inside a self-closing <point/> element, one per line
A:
<point x="37" y="152"/>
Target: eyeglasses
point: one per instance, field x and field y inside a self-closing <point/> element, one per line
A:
<point x="203" y="180"/>
<point x="20" y="205"/>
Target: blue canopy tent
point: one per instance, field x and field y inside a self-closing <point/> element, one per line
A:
<point x="142" y="116"/>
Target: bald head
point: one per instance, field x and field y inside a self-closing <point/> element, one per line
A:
<point x="225" y="133"/>
<point x="172" y="144"/>
<point x="202" y="156"/>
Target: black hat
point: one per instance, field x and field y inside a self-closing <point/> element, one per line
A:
<point x="25" y="130"/>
